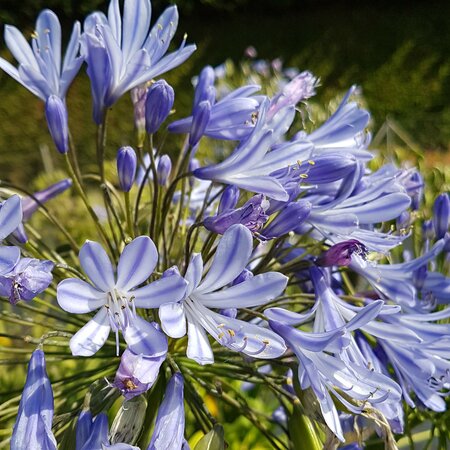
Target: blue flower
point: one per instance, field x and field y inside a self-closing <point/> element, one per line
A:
<point x="10" y="219"/>
<point x="33" y="427"/>
<point x="40" y="69"/>
<point x="26" y="280"/>
<point x="231" y="257"/>
<point x="117" y="300"/>
<point x="122" y="55"/>
<point x="169" y="426"/>
<point x="232" y="117"/>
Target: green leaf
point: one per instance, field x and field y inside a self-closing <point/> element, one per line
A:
<point x="214" y="440"/>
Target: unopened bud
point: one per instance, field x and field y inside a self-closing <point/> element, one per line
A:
<point x="164" y="169"/>
<point x="229" y="199"/>
<point x="441" y="215"/>
<point x="159" y="102"/>
<point x="200" y="120"/>
<point x="126" y="167"/>
<point x="58" y="122"/>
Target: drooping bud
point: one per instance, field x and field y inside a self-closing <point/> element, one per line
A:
<point x="164" y="169"/>
<point x="341" y="254"/>
<point x="159" y="102"/>
<point x="58" y="122"/>
<point x="441" y="215"/>
<point x="229" y="199"/>
<point x="126" y="167"/>
<point x="200" y="120"/>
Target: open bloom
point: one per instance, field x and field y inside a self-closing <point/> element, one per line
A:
<point x="33" y="427"/>
<point x="231" y="257"/>
<point x="122" y="55"/>
<point x="40" y="69"/>
<point x="116" y="298"/>
<point x="10" y="219"/>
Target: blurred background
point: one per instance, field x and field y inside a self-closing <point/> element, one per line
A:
<point x="398" y="52"/>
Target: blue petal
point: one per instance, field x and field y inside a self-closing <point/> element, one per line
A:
<point x="143" y="337"/>
<point x="97" y="266"/>
<point x="9" y="257"/>
<point x="173" y="319"/>
<point x="199" y="348"/>
<point x="10" y="216"/>
<point x="78" y="297"/>
<point x="194" y="273"/>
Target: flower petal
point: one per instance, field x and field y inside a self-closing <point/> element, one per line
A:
<point x="78" y="297"/>
<point x="165" y="290"/>
<point x="199" y="348"/>
<point x="97" y="266"/>
<point x="173" y="320"/>
<point x="232" y="255"/>
<point x="9" y="256"/>
<point x="92" y="336"/>
<point x="194" y="272"/>
<point x="10" y="216"/>
<point x="143" y="337"/>
<point x="136" y="263"/>
<point x="254" y="291"/>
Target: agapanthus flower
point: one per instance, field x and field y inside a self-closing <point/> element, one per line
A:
<point x="341" y="254"/>
<point x="33" y="427"/>
<point x="169" y="426"/>
<point x="136" y="373"/>
<point x="124" y="54"/>
<point x="10" y="219"/>
<point x="40" y="69"/>
<point x="232" y="117"/>
<point x="27" y="279"/>
<point x="231" y="257"/>
<point x="117" y="298"/>
<point x="92" y="433"/>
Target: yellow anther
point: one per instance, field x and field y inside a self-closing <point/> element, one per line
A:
<point x="221" y="335"/>
<point x="311" y="162"/>
<point x="303" y="175"/>
<point x="266" y="342"/>
<point x="231" y="333"/>
<point x="34" y="35"/>
<point x="221" y="325"/>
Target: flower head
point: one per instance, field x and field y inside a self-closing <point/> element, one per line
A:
<point x="117" y="298"/>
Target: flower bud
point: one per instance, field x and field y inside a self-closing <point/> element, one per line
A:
<point x="200" y="120"/>
<point x="441" y="215"/>
<point x="138" y="97"/>
<point x="229" y="199"/>
<point x="57" y="121"/>
<point x="126" y="167"/>
<point x="164" y="169"/>
<point x="204" y="83"/>
<point x="427" y="229"/>
<point x="159" y="102"/>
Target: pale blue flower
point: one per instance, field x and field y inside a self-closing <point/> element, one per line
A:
<point x="231" y="257"/>
<point x="117" y="299"/>
<point x="122" y="53"/>
<point x="40" y="69"/>
<point x="33" y="427"/>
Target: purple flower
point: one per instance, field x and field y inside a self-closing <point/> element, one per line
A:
<point x="26" y="280"/>
<point x="116" y="298"/>
<point x="122" y="55"/>
<point x="231" y="257"/>
<point x="33" y="427"/>
<point x="40" y="69"/>
<point x="158" y="104"/>
<point x="58" y="122"/>
<point x="441" y="215"/>
<point x="251" y="215"/>
<point x="341" y="254"/>
<point x="169" y="426"/>
<point x="163" y="170"/>
<point x="136" y="373"/>
<point x="232" y="118"/>
<point x="228" y="199"/>
<point x="10" y="219"/>
<point x="126" y="167"/>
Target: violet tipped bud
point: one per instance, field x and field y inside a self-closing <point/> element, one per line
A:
<point x="229" y="199"/>
<point x="200" y="120"/>
<point x="58" y="122"/>
<point x="126" y="167"/>
<point x="138" y="97"/>
<point x="341" y="254"/>
<point x="428" y="229"/>
<point x="164" y="168"/>
<point x="159" y="102"/>
<point x="441" y="215"/>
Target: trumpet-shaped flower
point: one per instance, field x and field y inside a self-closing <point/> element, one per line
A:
<point x="231" y="257"/>
<point x="10" y="219"/>
<point x="117" y="299"/>
<point x="40" y="69"/>
<point x="33" y="427"/>
<point x="122" y="53"/>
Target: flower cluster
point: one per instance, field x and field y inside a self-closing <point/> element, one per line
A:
<point x="287" y="251"/>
